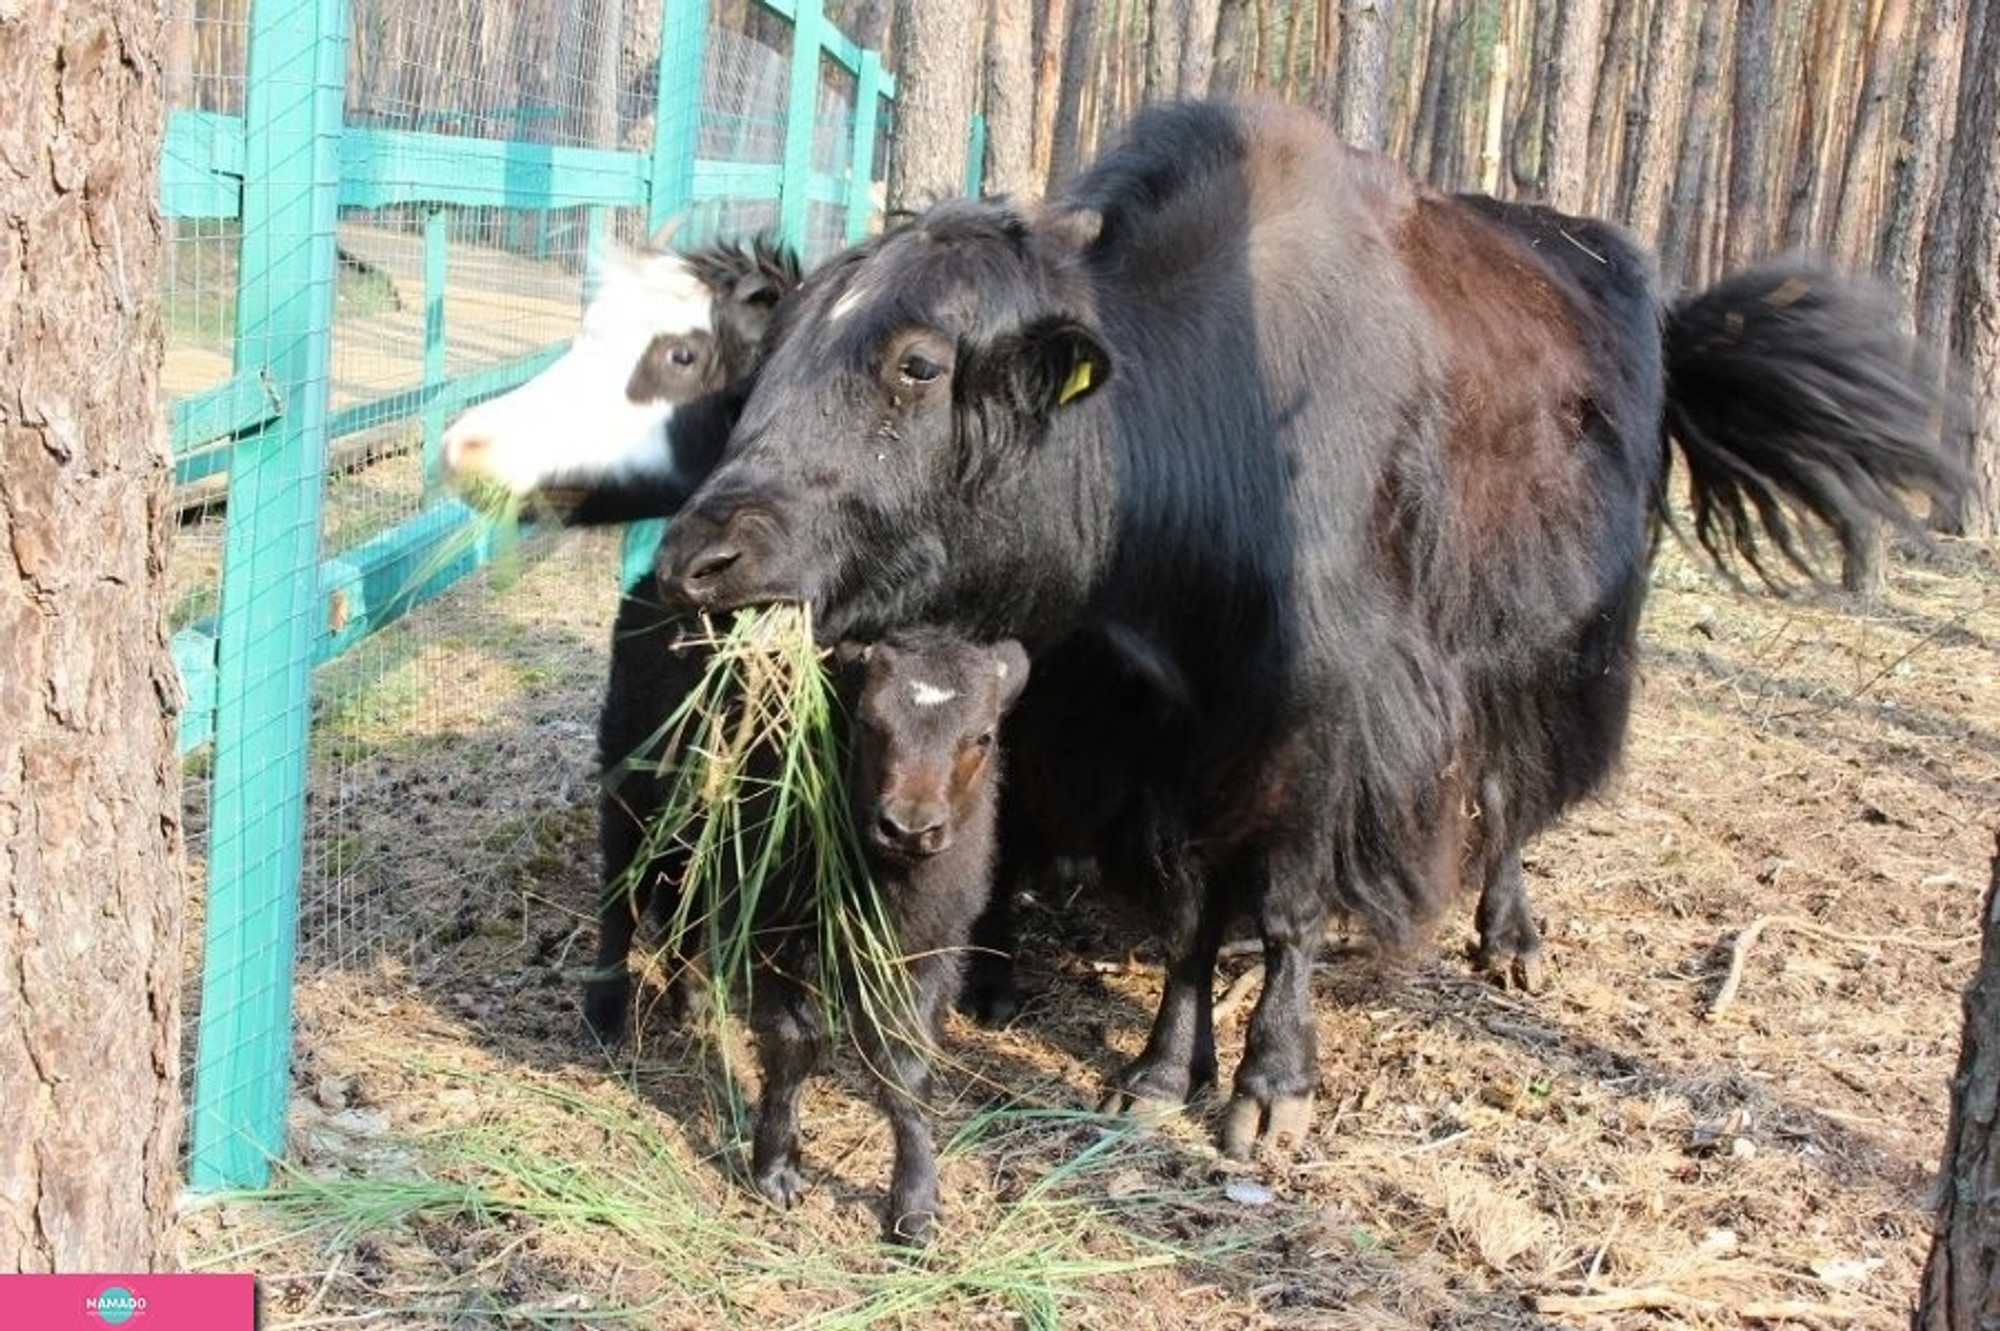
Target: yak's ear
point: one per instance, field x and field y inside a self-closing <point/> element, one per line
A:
<point x="1047" y="366"/>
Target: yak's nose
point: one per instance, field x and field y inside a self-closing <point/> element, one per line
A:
<point x="911" y="833"/>
<point x="705" y="569"/>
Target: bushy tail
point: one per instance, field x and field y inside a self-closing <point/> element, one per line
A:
<point x="1793" y="394"/>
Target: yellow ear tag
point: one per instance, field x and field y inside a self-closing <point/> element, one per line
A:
<point x="1078" y="385"/>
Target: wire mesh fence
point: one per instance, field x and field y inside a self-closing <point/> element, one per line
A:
<point x="379" y="214"/>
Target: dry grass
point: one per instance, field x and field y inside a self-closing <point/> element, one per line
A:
<point x="1608" y="1154"/>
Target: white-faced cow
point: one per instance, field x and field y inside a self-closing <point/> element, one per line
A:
<point x="1377" y="471"/>
<point x="623" y="426"/>
<point x="629" y="419"/>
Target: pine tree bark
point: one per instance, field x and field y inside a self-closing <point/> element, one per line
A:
<point x="1918" y="171"/>
<point x="1678" y="238"/>
<point x="1198" y="46"/>
<point x="1079" y="70"/>
<point x="1856" y="209"/>
<point x="1961" y="1282"/>
<point x="1975" y="319"/>
<point x="1566" y="140"/>
<point x="1051" y="21"/>
<point x="1665" y="93"/>
<point x="934" y="101"/>
<point x="90" y="841"/>
<point x="1010" y="88"/>
<point x="1747" y="238"/>
<point x="1362" y="104"/>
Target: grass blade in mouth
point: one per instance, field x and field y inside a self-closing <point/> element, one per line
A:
<point x="756" y="814"/>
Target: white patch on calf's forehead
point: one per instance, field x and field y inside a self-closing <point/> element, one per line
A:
<point x="926" y="694"/>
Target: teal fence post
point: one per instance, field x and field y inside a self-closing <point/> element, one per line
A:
<point x="677" y="109"/>
<point x="676" y="134"/>
<point x="270" y="613"/>
<point x="975" y="157"/>
<point x="801" y="120"/>
<point x="867" y="122"/>
<point x="436" y="237"/>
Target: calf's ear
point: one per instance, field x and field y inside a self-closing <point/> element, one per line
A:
<point x="1010" y="660"/>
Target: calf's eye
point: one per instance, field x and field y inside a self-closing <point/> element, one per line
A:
<point x="683" y="355"/>
<point x="919" y="368"/>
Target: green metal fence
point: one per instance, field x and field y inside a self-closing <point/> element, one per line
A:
<point x="281" y="164"/>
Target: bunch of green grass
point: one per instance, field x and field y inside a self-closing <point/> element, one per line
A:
<point x="1064" y="1242"/>
<point x="756" y="802"/>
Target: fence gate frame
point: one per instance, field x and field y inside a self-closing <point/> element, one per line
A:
<point x="283" y="170"/>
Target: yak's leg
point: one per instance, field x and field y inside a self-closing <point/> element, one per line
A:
<point x="1179" y="1058"/>
<point x="791" y="1041"/>
<point x="989" y="994"/>
<point x="901" y="1063"/>
<point x="607" y="994"/>
<point x="1275" y="1081"/>
<point x="1510" y="947"/>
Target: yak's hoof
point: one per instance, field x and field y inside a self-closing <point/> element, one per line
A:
<point x="910" y="1229"/>
<point x="1282" y="1124"/>
<point x="782" y="1184"/>
<point x="605" y="1004"/>
<point x="1510" y="968"/>
<point x="1147" y="1091"/>
<point x="990" y="1000"/>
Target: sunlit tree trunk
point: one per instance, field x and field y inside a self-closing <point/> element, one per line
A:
<point x="90" y="841"/>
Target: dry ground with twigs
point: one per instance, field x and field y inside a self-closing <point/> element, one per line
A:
<point x="1724" y="1111"/>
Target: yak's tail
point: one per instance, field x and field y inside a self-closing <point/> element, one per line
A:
<point x="1793" y="393"/>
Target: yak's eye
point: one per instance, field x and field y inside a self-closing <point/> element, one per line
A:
<point x="683" y="355"/>
<point x="919" y="368"/>
<point x="983" y="742"/>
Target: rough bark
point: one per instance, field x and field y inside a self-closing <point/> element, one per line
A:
<point x="1975" y="319"/>
<point x="1079" y="68"/>
<point x="1362" y="101"/>
<point x="1051" y="21"/>
<point x="1010" y="87"/>
<point x="1918" y="169"/>
<point x="1861" y="170"/>
<point x="1566" y="139"/>
<point x="1166" y="25"/>
<point x="1232" y="73"/>
<point x="1748" y="232"/>
<point x="1677" y="235"/>
<point x="1961" y="1283"/>
<point x="90" y="843"/>
<point x="1198" y="46"/>
<point x="934" y="101"/>
<point x="1665" y="99"/>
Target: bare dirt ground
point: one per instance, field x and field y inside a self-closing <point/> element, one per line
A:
<point x="1811" y="789"/>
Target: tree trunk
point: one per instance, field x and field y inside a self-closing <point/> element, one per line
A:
<point x="934" y="101"/>
<point x="1198" y="46"/>
<point x="1677" y="236"/>
<point x="1166" y="23"/>
<point x="1235" y="49"/>
<point x="1362" y="109"/>
<point x="1975" y="321"/>
<point x="1748" y="232"/>
<point x="1665" y="93"/>
<point x="1052" y="17"/>
<point x="1861" y="173"/>
<point x="1566" y="138"/>
<point x="1921" y="154"/>
<point x="1010" y="86"/>
<point x="90" y="839"/>
<point x="1608" y="111"/>
<point x="1961" y="1284"/>
<point x="1079" y="68"/>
